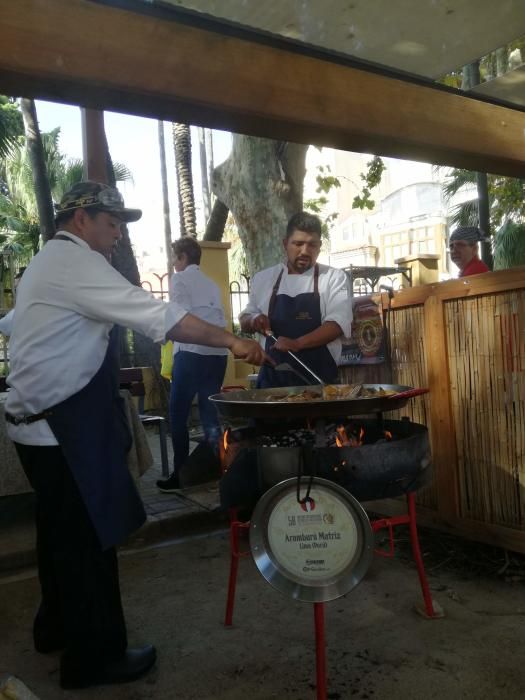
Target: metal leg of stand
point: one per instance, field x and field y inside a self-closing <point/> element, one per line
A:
<point x="164" y="449"/>
<point x="414" y="539"/>
<point x="320" y="651"/>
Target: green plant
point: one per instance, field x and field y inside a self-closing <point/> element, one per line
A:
<point x="509" y="246"/>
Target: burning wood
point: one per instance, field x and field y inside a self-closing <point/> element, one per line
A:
<point x="342" y="439"/>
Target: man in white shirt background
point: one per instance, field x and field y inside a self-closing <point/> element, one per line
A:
<point x="197" y="369"/>
<point x="65" y="416"/>
<point x="306" y="305"/>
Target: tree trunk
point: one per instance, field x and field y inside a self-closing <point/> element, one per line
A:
<point x="206" y="199"/>
<point x="208" y="139"/>
<point x="216" y="222"/>
<point x="44" y="201"/>
<point x="182" y="146"/>
<point x="471" y="77"/>
<point x="165" y="198"/>
<point x="262" y="184"/>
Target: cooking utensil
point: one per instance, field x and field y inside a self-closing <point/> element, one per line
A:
<point x="409" y="393"/>
<point x="269" y="334"/>
<point x="258" y="403"/>
<point x="285" y="367"/>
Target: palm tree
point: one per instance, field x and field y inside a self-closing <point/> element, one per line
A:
<point x="182" y="147"/>
<point x="37" y="158"/>
<point x="11" y="124"/>
<point x="19" y="220"/>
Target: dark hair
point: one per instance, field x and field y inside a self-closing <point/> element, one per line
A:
<point x="190" y="247"/>
<point x="303" y="221"/>
<point x="66" y="216"/>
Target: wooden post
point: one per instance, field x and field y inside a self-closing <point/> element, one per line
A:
<point x="94" y="145"/>
<point x="442" y="431"/>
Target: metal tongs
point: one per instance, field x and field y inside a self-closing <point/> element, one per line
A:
<point x="269" y="334"/>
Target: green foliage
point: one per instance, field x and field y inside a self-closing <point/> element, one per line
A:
<point x="325" y="182"/>
<point x="509" y="246"/>
<point x="371" y="179"/>
<point x="506" y="197"/>
<point x="19" y="223"/>
<point x="11" y="124"/>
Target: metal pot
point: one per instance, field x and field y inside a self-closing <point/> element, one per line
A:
<point x="259" y="403"/>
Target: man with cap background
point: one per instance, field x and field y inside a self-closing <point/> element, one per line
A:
<point x="464" y="250"/>
<point x="65" y="417"/>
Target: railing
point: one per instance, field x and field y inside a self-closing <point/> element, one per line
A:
<point x="163" y="291"/>
<point x="364" y="280"/>
<point x="465" y="340"/>
<point x="239" y="295"/>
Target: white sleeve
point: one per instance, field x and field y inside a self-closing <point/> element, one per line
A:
<point x="338" y="301"/>
<point x="6" y="323"/>
<point x="99" y="292"/>
<point x="253" y="307"/>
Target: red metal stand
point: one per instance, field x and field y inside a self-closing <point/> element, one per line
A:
<point x="410" y="520"/>
<point x="236" y="527"/>
<point x="320" y="651"/>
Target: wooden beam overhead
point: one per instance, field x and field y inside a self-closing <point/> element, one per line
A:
<point x="80" y="52"/>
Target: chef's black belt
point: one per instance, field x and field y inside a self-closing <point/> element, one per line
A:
<point x="26" y="420"/>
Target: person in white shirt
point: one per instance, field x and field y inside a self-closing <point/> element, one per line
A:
<point x="6" y="322"/>
<point x="65" y="416"/>
<point x="197" y="369"/>
<point x="306" y="305"/>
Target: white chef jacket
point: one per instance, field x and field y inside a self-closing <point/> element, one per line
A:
<point x="334" y="293"/>
<point x="6" y="322"/>
<point x="201" y="297"/>
<point x="67" y="302"/>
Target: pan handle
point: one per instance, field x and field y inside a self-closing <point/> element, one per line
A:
<point x="409" y="393"/>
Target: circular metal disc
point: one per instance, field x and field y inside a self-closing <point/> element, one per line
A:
<point x="315" y="551"/>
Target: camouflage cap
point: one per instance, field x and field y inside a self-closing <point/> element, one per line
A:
<point x="470" y="234"/>
<point x="88" y="194"/>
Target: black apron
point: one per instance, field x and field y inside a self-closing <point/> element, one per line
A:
<point x="294" y="317"/>
<point x="92" y="429"/>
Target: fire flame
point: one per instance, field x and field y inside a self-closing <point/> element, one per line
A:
<point x="343" y="440"/>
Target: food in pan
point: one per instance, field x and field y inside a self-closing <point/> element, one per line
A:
<point x="333" y="392"/>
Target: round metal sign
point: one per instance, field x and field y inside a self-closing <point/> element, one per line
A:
<point x="316" y="550"/>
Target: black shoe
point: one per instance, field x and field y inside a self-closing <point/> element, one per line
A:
<point x="47" y="644"/>
<point x="132" y="665"/>
<point x="48" y="633"/>
<point x="170" y="485"/>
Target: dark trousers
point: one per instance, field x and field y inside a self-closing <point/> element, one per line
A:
<point x="194" y="374"/>
<point x="81" y="609"/>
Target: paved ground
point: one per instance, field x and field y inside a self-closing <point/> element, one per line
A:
<point x="168" y="514"/>
<point x="174" y="578"/>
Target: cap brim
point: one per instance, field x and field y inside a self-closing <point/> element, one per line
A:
<point x="128" y="215"/>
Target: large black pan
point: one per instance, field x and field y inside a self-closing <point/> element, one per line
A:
<point x="258" y="403"/>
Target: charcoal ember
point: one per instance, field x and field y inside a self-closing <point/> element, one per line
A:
<point x="291" y="438"/>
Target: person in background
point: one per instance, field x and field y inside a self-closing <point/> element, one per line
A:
<point x="197" y="369"/>
<point x="305" y="305"/>
<point x="66" y="418"/>
<point x="464" y="250"/>
<point x="6" y="323"/>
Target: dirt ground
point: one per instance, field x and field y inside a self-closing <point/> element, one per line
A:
<point x="377" y="647"/>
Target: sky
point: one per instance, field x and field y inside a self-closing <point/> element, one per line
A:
<point x="133" y="141"/>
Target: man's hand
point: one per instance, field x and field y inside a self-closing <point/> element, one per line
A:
<point x="250" y="351"/>
<point x="261" y="324"/>
<point x="285" y="344"/>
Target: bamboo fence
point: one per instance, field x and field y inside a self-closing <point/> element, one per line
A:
<point x="465" y="340"/>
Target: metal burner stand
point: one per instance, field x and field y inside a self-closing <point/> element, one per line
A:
<point x="431" y="610"/>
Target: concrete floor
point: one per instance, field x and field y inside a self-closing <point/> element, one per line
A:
<point x="377" y="646"/>
<point x="174" y="579"/>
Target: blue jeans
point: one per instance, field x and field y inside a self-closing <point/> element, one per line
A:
<point x="194" y="374"/>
